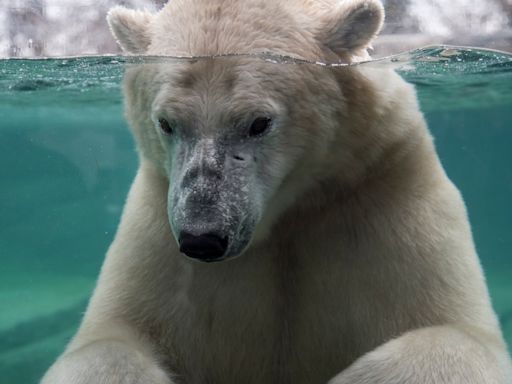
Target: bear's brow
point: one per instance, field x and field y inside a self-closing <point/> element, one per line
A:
<point x="219" y="74"/>
<point x="186" y="79"/>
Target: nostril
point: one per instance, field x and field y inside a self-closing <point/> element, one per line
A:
<point x="240" y="158"/>
<point x="205" y="247"/>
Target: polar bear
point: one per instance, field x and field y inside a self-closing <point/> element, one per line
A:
<point x="289" y="223"/>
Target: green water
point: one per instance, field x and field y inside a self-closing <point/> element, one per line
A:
<point x="67" y="160"/>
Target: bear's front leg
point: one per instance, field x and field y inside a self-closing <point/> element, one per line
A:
<point x="434" y="355"/>
<point x="106" y="361"/>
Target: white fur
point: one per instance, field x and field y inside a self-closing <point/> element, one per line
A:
<point x="362" y="269"/>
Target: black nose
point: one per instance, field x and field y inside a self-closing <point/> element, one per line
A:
<point x="206" y="247"/>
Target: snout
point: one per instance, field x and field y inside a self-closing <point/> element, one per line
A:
<point x="211" y="208"/>
<point x="206" y="247"/>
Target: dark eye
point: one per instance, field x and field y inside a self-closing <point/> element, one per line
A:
<point x="165" y="126"/>
<point x="259" y="126"/>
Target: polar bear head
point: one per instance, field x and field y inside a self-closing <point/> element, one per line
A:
<point x="241" y="139"/>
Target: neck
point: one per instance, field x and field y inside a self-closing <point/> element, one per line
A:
<point x="402" y="168"/>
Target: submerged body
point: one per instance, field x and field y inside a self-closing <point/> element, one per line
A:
<point x="348" y="254"/>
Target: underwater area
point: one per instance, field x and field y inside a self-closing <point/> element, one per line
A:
<point x="67" y="160"/>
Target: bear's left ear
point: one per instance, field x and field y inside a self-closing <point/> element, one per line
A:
<point x="130" y="28"/>
<point x="352" y="25"/>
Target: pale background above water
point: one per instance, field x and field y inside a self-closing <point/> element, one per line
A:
<point x="32" y="28"/>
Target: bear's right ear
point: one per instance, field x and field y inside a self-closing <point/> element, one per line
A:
<point x="351" y="26"/>
<point x="130" y="28"/>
